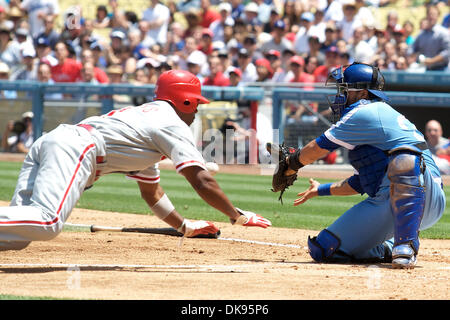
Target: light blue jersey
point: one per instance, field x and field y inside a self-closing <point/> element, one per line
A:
<point x="367" y="229"/>
<point x="379" y="125"/>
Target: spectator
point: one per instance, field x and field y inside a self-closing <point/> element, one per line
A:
<point x="208" y="14"/>
<point x="318" y="27"/>
<point x="225" y="59"/>
<point x="88" y="73"/>
<point x="196" y="61"/>
<point x="219" y="26"/>
<point x="44" y="52"/>
<point x="350" y="21"/>
<point x="250" y="43"/>
<point x="432" y="45"/>
<point x="408" y="29"/>
<point x="392" y="23"/>
<point x="291" y="14"/>
<point x="314" y="49"/>
<point x="301" y="45"/>
<point x="359" y="49"/>
<point x="99" y="74"/>
<point x="37" y="11"/>
<point x="235" y="75"/>
<point x="18" y="135"/>
<point x="247" y="67"/>
<point x="278" y="41"/>
<point x="216" y="76"/>
<point x="97" y="52"/>
<point x="237" y="9"/>
<point x="332" y="61"/>
<point x="330" y="38"/>
<point x="49" y="31"/>
<point x="333" y="12"/>
<point x="250" y="16"/>
<point x="152" y="66"/>
<point x="15" y="16"/>
<point x="102" y="18"/>
<point x="297" y="73"/>
<point x="44" y="75"/>
<point x="264" y="70"/>
<point x="269" y="26"/>
<point x="10" y="51"/>
<point x="28" y="69"/>
<point x="4" y="76"/>
<point x="157" y="15"/>
<point x="206" y="45"/>
<point x="67" y="69"/>
<point x="439" y="146"/>
<point x="193" y="22"/>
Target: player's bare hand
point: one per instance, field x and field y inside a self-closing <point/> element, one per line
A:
<point x="311" y="192"/>
<point x="251" y="219"/>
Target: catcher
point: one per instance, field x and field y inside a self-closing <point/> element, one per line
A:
<point x="394" y="168"/>
<point x="66" y="161"/>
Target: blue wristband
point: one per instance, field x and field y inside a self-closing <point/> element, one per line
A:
<point x="324" y="189"/>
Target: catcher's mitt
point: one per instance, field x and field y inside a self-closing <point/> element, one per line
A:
<point x="281" y="182"/>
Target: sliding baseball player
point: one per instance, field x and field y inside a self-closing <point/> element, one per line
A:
<point x="132" y="140"/>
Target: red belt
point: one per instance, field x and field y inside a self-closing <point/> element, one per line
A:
<point x="99" y="159"/>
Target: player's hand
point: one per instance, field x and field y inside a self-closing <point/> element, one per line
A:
<point x="194" y="228"/>
<point x="311" y="192"/>
<point x="251" y="219"/>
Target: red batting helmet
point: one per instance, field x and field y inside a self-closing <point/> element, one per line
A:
<point x="180" y="88"/>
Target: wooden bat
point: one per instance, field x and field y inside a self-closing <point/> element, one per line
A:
<point x="164" y="231"/>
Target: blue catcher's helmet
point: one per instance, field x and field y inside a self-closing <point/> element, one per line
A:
<point x="357" y="76"/>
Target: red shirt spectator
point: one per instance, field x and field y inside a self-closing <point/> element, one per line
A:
<point x="209" y="15"/>
<point x="331" y="62"/>
<point x="67" y="70"/>
<point x="216" y="77"/>
<point x="100" y="75"/>
<point x="297" y="64"/>
<point x="206" y="42"/>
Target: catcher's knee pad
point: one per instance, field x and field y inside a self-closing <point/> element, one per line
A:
<point x="407" y="196"/>
<point x="323" y="247"/>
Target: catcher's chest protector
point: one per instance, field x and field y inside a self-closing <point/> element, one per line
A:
<point x="371" y="164"/>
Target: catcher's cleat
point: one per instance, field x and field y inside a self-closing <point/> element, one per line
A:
<point x="403" y="257"/>
<point x="281" y="182"/>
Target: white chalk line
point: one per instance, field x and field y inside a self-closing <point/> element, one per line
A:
<point x="262" y="243"/>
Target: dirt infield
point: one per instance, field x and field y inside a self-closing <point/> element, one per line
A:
<point x="109" y="265"/>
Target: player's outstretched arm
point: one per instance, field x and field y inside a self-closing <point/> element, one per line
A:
<point x="162" y="207"/>
<point x="209" y="190"/>
<point x="341" y="188"/>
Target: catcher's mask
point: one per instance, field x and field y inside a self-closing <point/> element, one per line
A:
<point x="355" y="77"/>
<point x="180" y="88"/>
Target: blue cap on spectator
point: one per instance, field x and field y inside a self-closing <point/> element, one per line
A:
<point x="279" y="24"/>
<point x="42" y="41"/>
<point x="96" y="46"/>
<point x="308" y="16"/>
<point x="332" y="49"/>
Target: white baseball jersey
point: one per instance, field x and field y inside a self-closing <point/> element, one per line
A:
<point x="62" y="163"/>
<point x="137" y="138"/>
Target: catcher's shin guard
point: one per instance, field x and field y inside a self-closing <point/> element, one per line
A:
<point x="407" y="201"/>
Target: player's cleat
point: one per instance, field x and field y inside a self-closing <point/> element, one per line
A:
<point x="403" y="257"/>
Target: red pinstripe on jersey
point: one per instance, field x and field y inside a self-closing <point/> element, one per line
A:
<point x="80" y="159"/>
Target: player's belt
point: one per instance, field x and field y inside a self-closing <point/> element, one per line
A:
<point x="90" y="129"/>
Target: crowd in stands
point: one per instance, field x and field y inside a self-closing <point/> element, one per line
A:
<point x="225" y="43"/>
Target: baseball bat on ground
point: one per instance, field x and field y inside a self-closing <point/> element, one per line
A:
<point x="164" y="231"/>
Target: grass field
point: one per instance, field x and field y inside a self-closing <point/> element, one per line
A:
<point x="116" y="193"/>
